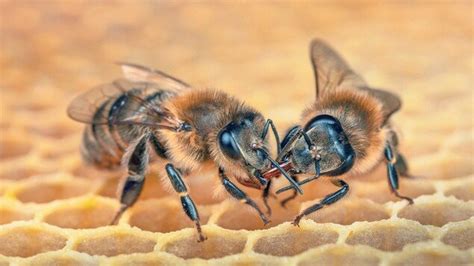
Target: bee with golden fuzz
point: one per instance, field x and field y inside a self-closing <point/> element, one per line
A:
<point x="346" y="131"/>
<point x="150" y="115"/>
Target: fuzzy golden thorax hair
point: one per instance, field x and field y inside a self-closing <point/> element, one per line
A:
<point x="207" y="111"/>
<point x="361" y="118"/>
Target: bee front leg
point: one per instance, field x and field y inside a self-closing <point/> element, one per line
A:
<point x="328" y="200"/>
<point x="186" y="201"/>
<point x="292" y="196"/>
<point x="265" y="195"/>
<point x="268" y="124"/>
<point x="137" y="165"/>
<point x="237" y="193"/>
<point x="392" y="172"/>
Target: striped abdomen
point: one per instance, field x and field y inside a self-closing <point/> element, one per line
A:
<point x="104" y="141"/>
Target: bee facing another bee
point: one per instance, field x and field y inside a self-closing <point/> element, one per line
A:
<point x="346" y="131"/>
<point x="149" y="115"/>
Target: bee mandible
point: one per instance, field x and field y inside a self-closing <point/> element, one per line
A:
<point x="150" y="115"/>
<point x="345" y="131"/>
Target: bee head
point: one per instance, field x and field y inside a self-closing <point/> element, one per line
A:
<point x="240" y="142"/>
<point x="324" y="147"/>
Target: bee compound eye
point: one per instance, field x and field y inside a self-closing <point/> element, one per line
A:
<point x="228" y="145"/>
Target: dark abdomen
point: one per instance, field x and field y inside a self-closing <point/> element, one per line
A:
<point x="104" y="142"/>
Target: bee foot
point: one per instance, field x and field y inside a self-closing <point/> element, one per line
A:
<point x="297" y="220"/>
<point x="201" y="238"/>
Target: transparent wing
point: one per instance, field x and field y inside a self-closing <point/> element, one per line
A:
<point x="390" y="102"/>
<point x="138" y="73"/>
<point x="330" y="70"/>
<point x="123" y="102"/>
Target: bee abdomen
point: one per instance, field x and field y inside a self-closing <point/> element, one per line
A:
<point x="105" y="141"/>
<point x="93" y="152"/>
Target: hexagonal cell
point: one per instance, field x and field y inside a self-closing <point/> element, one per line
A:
<point x="432" y="258"/>
<point x="463" y="192"/>
<point x="113" y="244"/>
<point x="461" y="237"/>
<point x="241" y="216"/>
<point x="17" y="242"/>
<point x="350" y="210"/>
<point x="10" y="215"/>
<point x="11" y="147"/>
<point x="88" y="215"/>
<point x="148" y="259"/>
<point x="215" y="246"/>
<point x="437" y="213"/>
<point x="341" y="255"/>
<point x="42" y="192"/>
<point x="387" y="237"/>
<point x="163" y="216"/>
<point x="66" y="258"/>
<point x="294" y="242"/>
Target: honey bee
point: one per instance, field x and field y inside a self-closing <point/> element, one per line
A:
<point x="149" y="115"/>
<point x="346" y="131"/>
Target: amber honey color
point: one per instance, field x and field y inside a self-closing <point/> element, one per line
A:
<point x="55" y="208"/>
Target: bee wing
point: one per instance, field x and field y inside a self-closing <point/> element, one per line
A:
<point x="95" y="106"/>
<point x="330" y="70"/>
<point x="138" y="73"/>
<point x="390" y="102"/>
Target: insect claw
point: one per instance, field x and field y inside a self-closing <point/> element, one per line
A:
<point x="296" y="222"/>
<point x="266" y="221"/>
<point x="119" y="213"/>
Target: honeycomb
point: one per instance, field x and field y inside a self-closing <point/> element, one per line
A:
<point x="54" y="209"/>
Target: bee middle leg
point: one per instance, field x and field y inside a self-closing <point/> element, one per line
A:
<point x="132" y="188"/>
<point x="328" y="200"/>
<point x="392" y="172"/>
<point x="186" y="201"/>
<point x="237" y="193"/>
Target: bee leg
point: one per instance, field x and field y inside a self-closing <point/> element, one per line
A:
<point x="137" y="165"/>
<point x="186" y="201"/>
<point x="400" y="163"/>
<point x="275" y="133"/>
<point x="392" y="173"/>
<point x="292" y="196"/>
<point x="402" y="167"/>
<point x="265" y="195"/>
<point x="236" y="193"/>
<point x="328" y="200"/>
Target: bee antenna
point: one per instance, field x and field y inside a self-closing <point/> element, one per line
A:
<point x="294" y="184"/>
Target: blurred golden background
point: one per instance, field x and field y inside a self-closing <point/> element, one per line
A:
<point x="52" y="50"/>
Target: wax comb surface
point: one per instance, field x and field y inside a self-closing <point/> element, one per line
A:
<point x="55" y="209"/>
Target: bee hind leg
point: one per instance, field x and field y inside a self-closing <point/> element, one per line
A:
<point x="237" y="193"/>
<point x="137" y="165"/>
<point x="402" y="167"/>
<point x="392" y="172"/>
<point x="328" y="200"/>
<point x="186" y="201"/>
